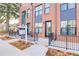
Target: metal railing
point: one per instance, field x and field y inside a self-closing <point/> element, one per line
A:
<point x="67" y="42"/>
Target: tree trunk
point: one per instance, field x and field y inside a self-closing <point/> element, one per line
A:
<point x="7" y="20"/>
<point x="7" y="24"/>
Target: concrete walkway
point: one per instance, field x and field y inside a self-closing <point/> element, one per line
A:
<point x="9" y="50"/>
<point x="36" y="50"/>
<point x="41" y="41"/>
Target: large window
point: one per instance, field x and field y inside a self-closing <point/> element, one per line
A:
<point x="38" y="23"/>
<point x="66" y="6"/>
<point x="47" y="7"/>
<point x="68" y="19"/>
<point x="28" y="12"/>
<point x="23" y="18"/>
<point x="68" y="27"/>
<point x="38" y="10"/>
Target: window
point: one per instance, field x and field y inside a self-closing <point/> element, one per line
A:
<point x="68" y="27"/>
<point x="36" y="11"/>
<point x="38" y="27"/>
<point x="71" y="27"/>
<point x="28" y="12"/>
<point x="28" y="28"/>
<point x="47" y="7"/>
<point x="23" y="18"/>
<point x="38" y="24"/>
<point x="63" y="27"/>
<point x="39" y="10"/>
<point x="66" y="6"/>
<point x="71" y="5"/>
<point x="40" y="7"/>
<point x="63" y="6"/>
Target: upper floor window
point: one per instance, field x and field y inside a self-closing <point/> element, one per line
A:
<point x="71" y="5"/>
<point x="63" y="6"/>
<point x="38" y="10"/>
<point x="23" y="18"/>
<point x="66" y="6"/>
<point x="28" y="12"/>
<point x="38" y="25"/>
<point x="47" y="7"/>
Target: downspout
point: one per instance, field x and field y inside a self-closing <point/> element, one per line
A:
<point x="55" y="21"/>
<point x="32" y="18"/>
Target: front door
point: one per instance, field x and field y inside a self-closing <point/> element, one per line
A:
<point x="48" y="28"/>
<point x="28" y="28"/>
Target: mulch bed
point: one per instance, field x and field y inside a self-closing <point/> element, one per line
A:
<point x="5" y="38"/>
<point x="54" y="52"/>
<point x="21" y="44"/>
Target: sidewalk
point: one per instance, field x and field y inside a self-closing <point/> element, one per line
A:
<point x="9" y="50"/>
<point x="40" y="41"/>
<point x="38" y="49"/>
<point x="35" y="50"/>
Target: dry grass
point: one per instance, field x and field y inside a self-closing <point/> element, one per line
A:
<point x="5" y="38"/>
<point x="21" y="44"/>
<point x="54" y="52"/>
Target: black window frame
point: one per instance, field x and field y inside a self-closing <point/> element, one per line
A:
<point x="67" y="6"/>
<point x="67" y="20"/>
<point x="38" y="15"/>
<point x="28" y="14"/>
<point x="25" y="17"/>
<point x="67" y="28"/>
<point x="46" y="8"/>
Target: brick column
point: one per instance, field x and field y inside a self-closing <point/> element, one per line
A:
<point x="77" y="18"/>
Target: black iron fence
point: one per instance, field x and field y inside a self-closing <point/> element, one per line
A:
<point x="67" y="42"/>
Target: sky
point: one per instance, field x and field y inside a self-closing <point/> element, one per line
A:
<point x="13" y="21"/>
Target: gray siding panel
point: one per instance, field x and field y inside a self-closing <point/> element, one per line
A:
<point x="68" y="15"/>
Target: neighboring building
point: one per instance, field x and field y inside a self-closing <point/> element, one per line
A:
<point x="60" y="19"/>
<point x="2" y="28"/>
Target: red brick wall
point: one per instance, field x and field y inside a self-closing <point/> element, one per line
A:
<point x="77" y="15"/>
<point x="51" y="16"/>
<point x="74" y="39"/>
<point x="45" y="17"/>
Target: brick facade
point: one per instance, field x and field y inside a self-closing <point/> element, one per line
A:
<point x="53" y="16"/>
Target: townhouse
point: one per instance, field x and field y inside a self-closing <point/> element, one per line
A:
<point x="43" y="18"/>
